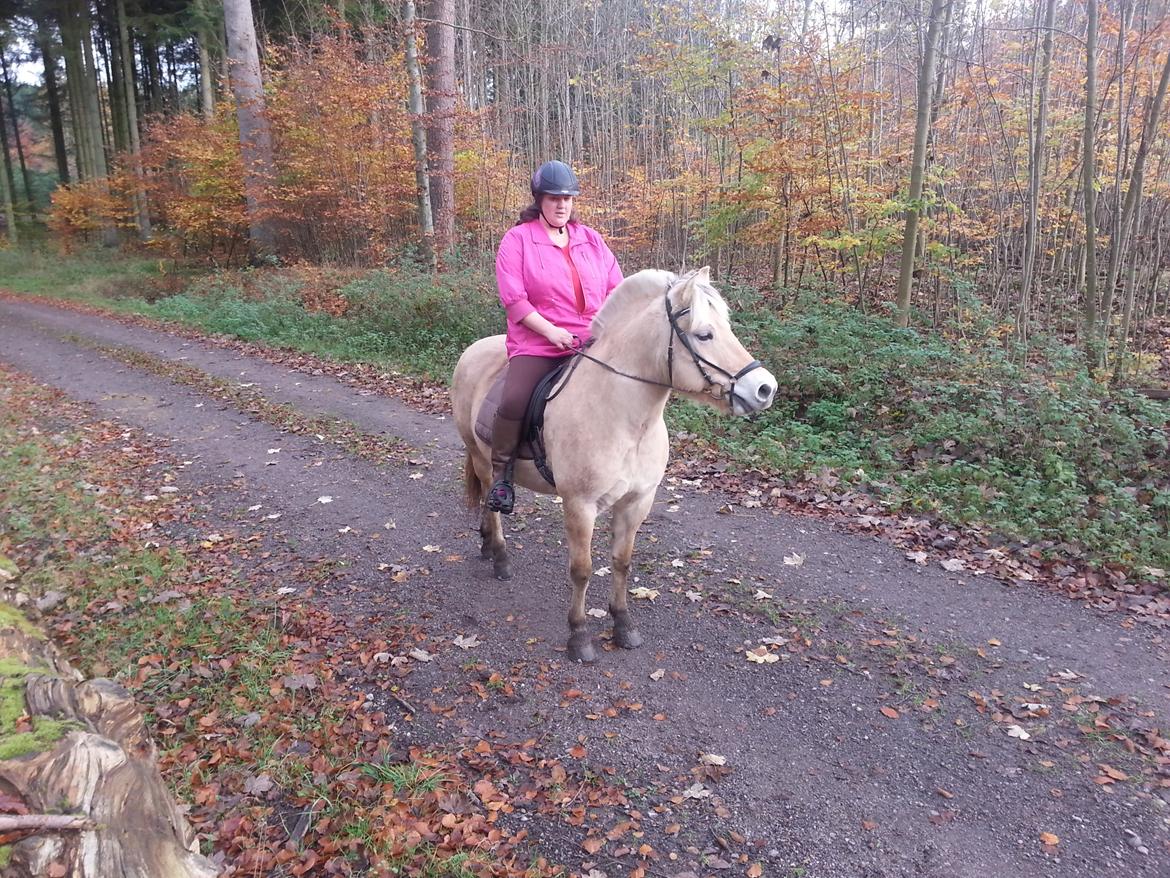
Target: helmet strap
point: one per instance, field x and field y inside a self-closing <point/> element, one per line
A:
<point x="559" y="229"/>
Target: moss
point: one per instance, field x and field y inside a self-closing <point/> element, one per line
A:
<point x="10" y="617"/>
<point x="8" y="569"/>
<point x="5" y="855"/>
<point x="45" y="731"/>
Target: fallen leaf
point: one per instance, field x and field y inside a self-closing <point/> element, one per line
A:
<point x="917" y="557"/>
<point x="890" y="712"/>
<point x="602" y="571"/>
<point x="694" y="595"/>
<point x="761" y="655"/>
<point x="954" y="565"/>
<point x="596" y="612"/>
<point x="713" y="759"/>
<point x="420" y="655"/>
<point x="696" y="791"/>
<point x="762" y="595"/>
<point x="644" y="593"/>
<point x="677" y="562"/>
<point x="416" y="475"/>
<point x="432" y="548"/>
<point x="466" y="642"/>
<point x="1049" y="838"/>
<point x="593" y="844"/>
<point x="658" y="675"/>
<point x="794" y="560"/>
<point x="1018" y="732"/>
<point x="325" y="499"/>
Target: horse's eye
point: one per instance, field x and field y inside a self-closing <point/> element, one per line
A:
<point x="705" y="335"/>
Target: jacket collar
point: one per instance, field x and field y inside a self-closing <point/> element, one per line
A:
<point x="538" y="235"/>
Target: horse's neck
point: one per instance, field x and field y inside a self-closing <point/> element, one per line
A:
<point x="624" y="402"/>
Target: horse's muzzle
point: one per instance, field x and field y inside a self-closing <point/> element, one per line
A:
<point x="754" y="392"/>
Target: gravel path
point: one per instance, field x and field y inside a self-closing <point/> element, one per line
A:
<point x="822" y="782"/>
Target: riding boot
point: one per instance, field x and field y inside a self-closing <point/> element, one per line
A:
<point x="505" y="438"/>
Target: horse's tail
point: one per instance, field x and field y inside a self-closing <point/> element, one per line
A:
<point x="472" y="486"/>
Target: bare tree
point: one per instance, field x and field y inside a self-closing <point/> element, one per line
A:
<point x="1088" y="178"/>
<point x="918" y="161"/>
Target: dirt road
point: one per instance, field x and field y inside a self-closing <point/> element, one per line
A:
<point x="885" y="739"/>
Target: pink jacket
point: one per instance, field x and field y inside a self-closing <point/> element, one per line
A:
<point x="532" y="276"/>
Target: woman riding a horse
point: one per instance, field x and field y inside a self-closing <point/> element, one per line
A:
<point x="554" y="274"/>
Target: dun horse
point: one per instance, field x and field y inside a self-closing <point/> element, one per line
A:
<point x="604" y="433"/>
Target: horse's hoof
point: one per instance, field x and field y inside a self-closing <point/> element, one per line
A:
<point x="627" y="638"/>
<point x="585" y="654"/>
<point x="581" y="648"/>
<point x="503" y="570"/>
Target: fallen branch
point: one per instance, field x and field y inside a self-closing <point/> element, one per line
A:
<point x="58" y="822"/>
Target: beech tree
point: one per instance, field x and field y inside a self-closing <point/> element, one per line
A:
<point x="255" y="137"/>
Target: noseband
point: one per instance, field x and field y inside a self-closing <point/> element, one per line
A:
<point x="701" y="362"/>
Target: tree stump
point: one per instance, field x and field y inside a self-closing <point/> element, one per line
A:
<point x="78" y="770"/>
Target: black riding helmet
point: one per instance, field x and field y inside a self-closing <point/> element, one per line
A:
<point x="555" y="178"/>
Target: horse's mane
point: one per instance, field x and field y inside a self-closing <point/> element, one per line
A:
<point x="632" y="294"/>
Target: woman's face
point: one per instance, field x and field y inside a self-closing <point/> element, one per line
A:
<point x="556" y="209"/>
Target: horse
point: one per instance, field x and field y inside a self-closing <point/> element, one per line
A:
<point x="604" y="433"/>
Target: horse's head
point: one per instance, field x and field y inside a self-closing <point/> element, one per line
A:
<point x="708" y="363"/>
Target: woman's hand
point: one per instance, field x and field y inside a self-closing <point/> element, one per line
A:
<point x="562" y="338"/>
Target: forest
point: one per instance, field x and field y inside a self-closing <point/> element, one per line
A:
<point x="924" y="155"/>
<point x="908" y="620"/>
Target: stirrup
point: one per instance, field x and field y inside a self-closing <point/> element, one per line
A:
<point x="501" y="497"/>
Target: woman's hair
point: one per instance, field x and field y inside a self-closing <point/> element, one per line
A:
<point x="532" y="211"/>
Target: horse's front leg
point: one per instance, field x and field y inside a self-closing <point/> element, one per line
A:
<point x="627" y="518"/>
<point x="579" y="521"/>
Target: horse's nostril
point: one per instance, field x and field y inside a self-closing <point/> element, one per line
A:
<point x="765" y="391"/>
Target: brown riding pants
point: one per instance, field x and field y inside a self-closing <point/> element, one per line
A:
<point x="524" y="373"/>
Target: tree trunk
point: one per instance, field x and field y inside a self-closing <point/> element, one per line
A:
<point x="44" y="43"/>
<point x="16" y="131"/>
<point x="1036" y="173"/>
<point x="418" y="134"/>
<point x="1129" y="209"/>
<point x="441" y="91"/>
<point x="130" y="102"/>
<point x="918" y="162"/>
<point x="255" y="136"/>
<point x="9" y="208"/>
<point x="1088" y="176"/>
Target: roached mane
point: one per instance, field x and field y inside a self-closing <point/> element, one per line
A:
<point x="631" y="295"/>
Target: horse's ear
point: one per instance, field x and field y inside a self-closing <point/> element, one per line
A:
<point x="703" y="275"/>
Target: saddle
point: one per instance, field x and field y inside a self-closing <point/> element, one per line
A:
<point x="532" y="432"/>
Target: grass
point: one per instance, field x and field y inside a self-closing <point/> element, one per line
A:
<point x="406" y="777"/>
<point x="948" y="424"/>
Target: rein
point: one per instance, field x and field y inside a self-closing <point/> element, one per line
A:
<point x="684" y="339"/>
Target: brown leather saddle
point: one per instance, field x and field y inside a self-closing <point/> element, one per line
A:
<point x="532" y="433"/>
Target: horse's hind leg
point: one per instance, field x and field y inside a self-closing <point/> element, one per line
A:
<point x="579" y="521"/>
<point x="492" y="546"/>
<point x="627" y="518"/>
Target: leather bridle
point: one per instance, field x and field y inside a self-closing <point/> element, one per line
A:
<point x="701" y="362"/>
